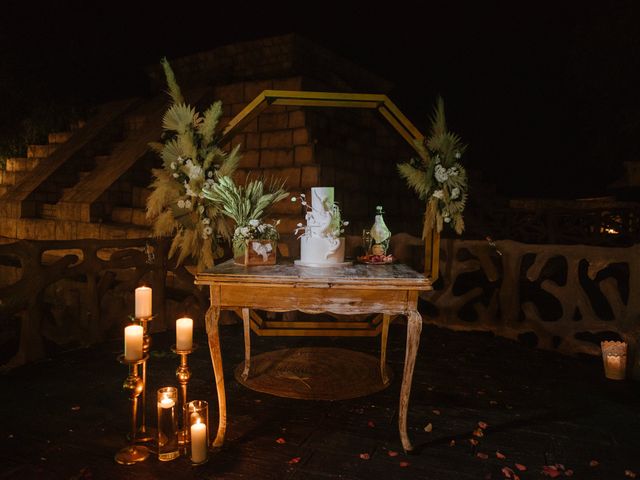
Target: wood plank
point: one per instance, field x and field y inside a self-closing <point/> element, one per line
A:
<point x="301" y="332"/>
<point x="313" y="300"/>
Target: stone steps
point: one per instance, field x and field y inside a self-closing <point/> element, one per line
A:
<point x="139" y="197"/>
<point x="41" y="151"/>
<point x="57" y="138"/>
<point x="21" y="164"/>
<point x="53" y="229"/>
<point x="49" y="211"/>
<point x="132" y="216"/>
<point x="8" y="178"/>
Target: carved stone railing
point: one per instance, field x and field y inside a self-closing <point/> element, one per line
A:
<point x="559" y="297"/>
<point x="77" y="292"/>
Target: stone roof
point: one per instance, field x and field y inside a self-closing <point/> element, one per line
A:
<point x="268" y="58"/>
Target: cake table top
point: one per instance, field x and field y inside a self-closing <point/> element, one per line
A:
<point x="394" y="275"/>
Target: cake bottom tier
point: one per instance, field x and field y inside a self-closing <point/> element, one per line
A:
<point x="321" y="250"/>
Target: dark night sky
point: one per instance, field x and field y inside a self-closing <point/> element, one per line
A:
<point x="545" y="94"/>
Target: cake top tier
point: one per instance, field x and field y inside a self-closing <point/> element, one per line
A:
<point x="322" y="198"/>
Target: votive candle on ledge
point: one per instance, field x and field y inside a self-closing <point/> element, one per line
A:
<point x="614" y="357"/>
<point x="143" y="302"/>
<point x="133" y="342"/>
<point x="184" y="334"/>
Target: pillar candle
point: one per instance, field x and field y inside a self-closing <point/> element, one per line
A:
<point x="198" y="442"/>
<point x="143" y="302"/>
<point x="133" y="342"/>
<point x="184" y="334"/>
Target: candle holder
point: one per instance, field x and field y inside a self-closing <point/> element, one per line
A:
<point x="168" y="448"/>
<point x="183" y="375"/>
<point x="198" y="425"/>
<point x="614" y="356"/>
<point x="132" y="453"/>
<point x="145" y="434"/>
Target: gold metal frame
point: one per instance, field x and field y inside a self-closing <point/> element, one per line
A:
<point x="379" y="102"/>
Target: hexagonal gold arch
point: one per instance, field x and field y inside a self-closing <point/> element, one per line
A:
<point x="379" y="102"/>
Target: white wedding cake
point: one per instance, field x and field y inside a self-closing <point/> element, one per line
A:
<point x="321" y="244"/>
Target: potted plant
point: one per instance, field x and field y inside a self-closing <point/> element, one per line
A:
<point x="254" y="241"/>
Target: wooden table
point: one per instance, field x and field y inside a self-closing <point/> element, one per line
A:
<point x="386" y="290"/>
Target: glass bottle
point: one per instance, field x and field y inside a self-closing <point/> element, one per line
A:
<point x="380" y="234"/>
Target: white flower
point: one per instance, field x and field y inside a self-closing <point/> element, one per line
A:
<point x="438" y="194"/>
<point x="441" y="174"/>
<point x="210" y="174"/>
<point x="452" y="172"/>
<point x="206" y="221"/>
<point x="254" y="223"/>
<point x="262" y="228"/>
<point x="190" y="192"/>
<point x="458" y="155"/>
<point x="180" y="203"/>
<point x="294" y="199"/>
<point x="244" y="231"/>
<point x="173" y="165"/>
<point x="447" y="219"/>
<point x="175" y="175"/>
<point x="187" y="204"/>
<point x="299" y="225"/>
<point x="194" y="171"/>
<point x="455" y="193"/>
<point x="345" y="223"/>
<point x="208" y="230"/>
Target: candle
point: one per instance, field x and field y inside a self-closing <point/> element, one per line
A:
<point x="143" y="302"/>
<point x="198" y="442"/>
<point x="614" y="362"/>
<point x="133" y="342"/>
<point x="184" y="334"/>
<point x="167" y="402"/>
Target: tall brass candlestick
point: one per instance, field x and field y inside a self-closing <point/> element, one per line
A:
<point x="132" y="453"/>
<point x="183" y="375"/>
<point x="144" y="434"/>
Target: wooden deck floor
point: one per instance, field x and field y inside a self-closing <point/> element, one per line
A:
<point x="65" y="418"/>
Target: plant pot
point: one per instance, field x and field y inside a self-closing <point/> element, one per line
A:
<point x="257" y="252"/>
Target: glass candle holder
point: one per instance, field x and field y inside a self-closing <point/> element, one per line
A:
<point x="198" y="417"/>
<point x="167" y="424"/>
<point x="614" y="356"/>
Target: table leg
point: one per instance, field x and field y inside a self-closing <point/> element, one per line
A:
<point x="386" y="320"/>
<point x="212" y="320"/>
<point x="414" y="327"/>
<point x="247" y="343"/>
